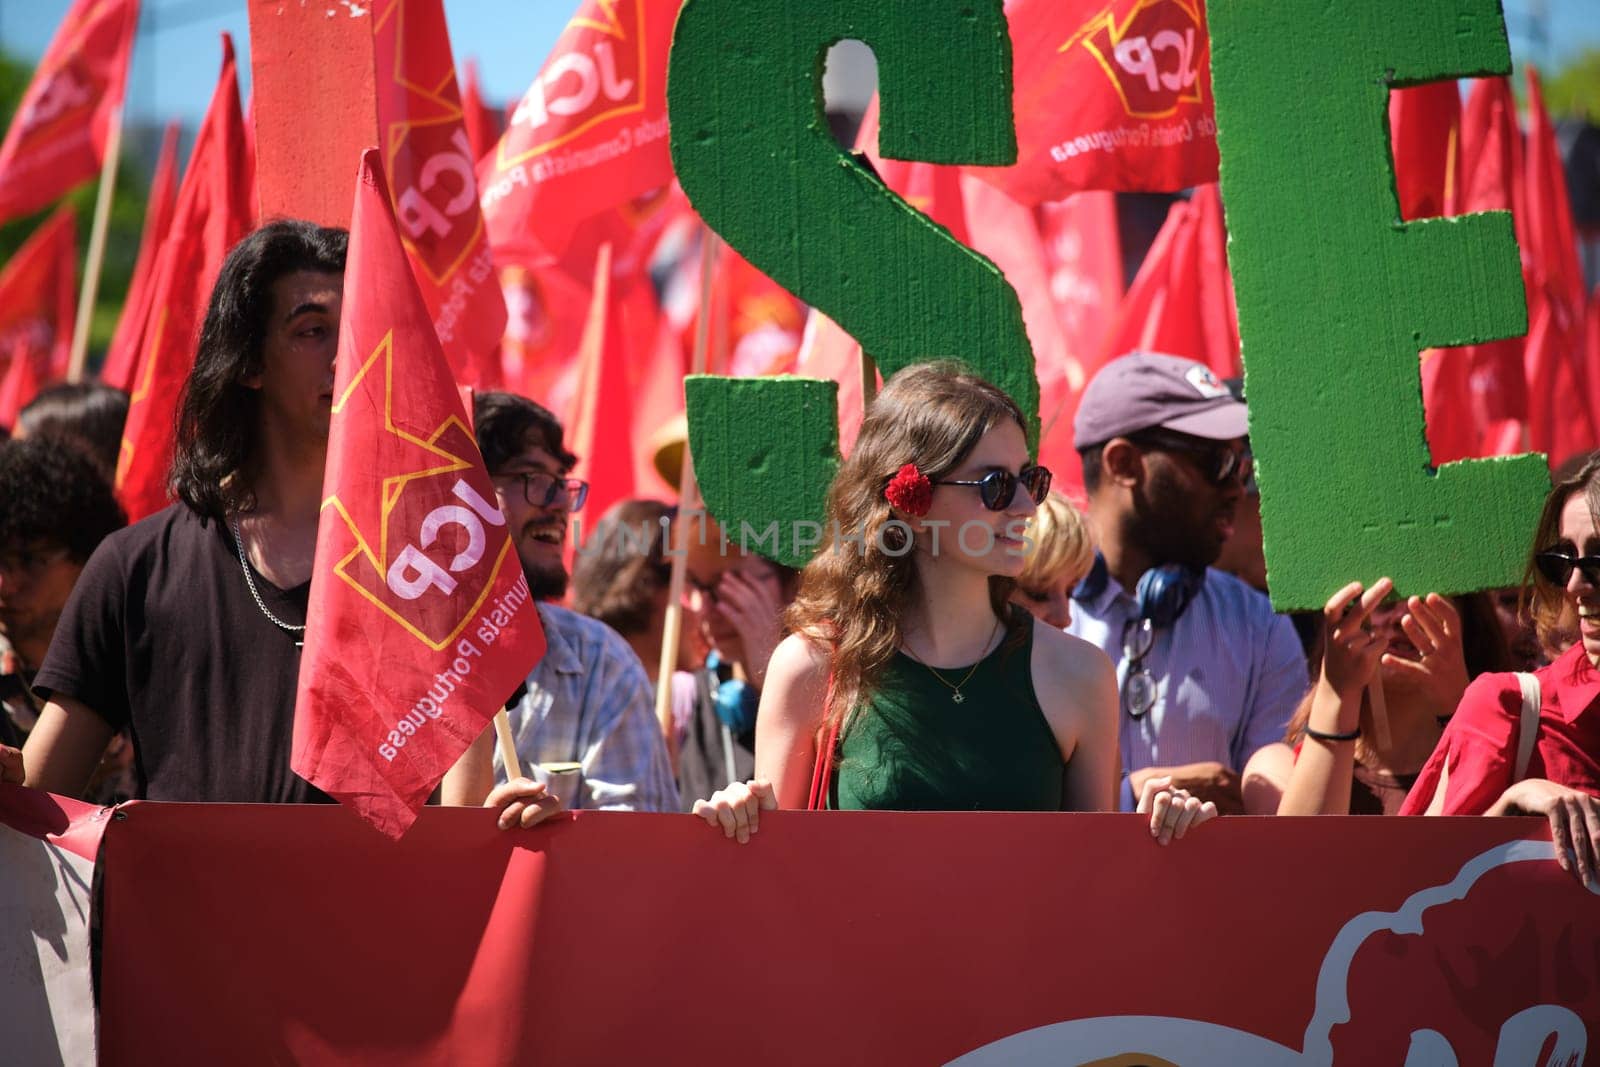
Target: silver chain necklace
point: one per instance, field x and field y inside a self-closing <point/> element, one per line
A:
<point x="244" y="565"/>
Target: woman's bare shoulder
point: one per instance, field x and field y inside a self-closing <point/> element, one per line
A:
<point x="1066" y="659"/>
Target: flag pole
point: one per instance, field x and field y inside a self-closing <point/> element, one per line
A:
<point x="508" y="745"/>
<point x="688" y="498"/>
<point x="97" y="249"/>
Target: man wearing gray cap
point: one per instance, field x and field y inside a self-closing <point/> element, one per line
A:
<point x="1206" y="672"/>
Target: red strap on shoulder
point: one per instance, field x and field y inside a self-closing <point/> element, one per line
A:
<point x="822" y="771"/>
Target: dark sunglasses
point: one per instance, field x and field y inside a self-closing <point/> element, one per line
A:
<point x="997" y="488"/>
<point x="1220" y="463"/>
<point x="1558" y="566"/>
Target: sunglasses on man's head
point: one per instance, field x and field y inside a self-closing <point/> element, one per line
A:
<point x="1220" y="463"/>
<point x="1557" y="566"/>
<point x="997" y="488"/>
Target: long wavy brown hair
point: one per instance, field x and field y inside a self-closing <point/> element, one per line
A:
<point x="854" y="594"/>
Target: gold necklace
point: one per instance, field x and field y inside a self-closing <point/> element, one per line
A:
<point x="955" y="690"/>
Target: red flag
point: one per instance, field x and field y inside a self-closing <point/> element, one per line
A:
<point x="1008" y="234"/>
<point x="631" y="228"/>
<point x="659" y="393"/>
<point x="931" y="189"/>
<point x="1425" y="130"/>
<point x="21" y="384"/>
<point x="430" y="168"/>
<point x="828" y="352"/>
<point x="1559" y="384"/>
<point x="481" y="121"/>
<point x="544" y="329"/>
<point x="590" y="133"/>
<point x="1084" y="251"/>
<point x="602" y="418"/>
<point x="1181" y="301"/>
<point x="216" y="205"/>
<point x="1491" y="180"/>
<point x="1560" y="422"/>
<point x="1454" y="431"/>
<point x="58" y="137"/>
<point x="38" y="303"/>
<point x="118" y="368"/>
<point x="420" y="624"/>
<point x="1109" y="96"/>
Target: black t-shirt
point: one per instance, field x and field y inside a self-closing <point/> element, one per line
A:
<point x="162" y="635"/>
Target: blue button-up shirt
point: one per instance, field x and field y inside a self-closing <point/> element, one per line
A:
<point x="1229" y="674"/>
<point x="590" y="702"/>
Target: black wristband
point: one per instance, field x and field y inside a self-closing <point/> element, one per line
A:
<point x="1318" y="735"/>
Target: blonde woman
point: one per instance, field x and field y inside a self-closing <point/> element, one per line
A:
<point x="1060" y="552"/>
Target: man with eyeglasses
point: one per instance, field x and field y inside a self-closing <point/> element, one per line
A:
<point x="588" y="701"/>
<point x="1207" y="673"/>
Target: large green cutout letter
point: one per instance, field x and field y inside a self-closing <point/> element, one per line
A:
<point x="1337" y="296"/>
<point x="754" y="154"/>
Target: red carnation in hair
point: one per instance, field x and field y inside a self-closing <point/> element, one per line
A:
<point x="910" y="491"/>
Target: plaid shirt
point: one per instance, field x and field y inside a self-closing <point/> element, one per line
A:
<point x="589" y="702"/>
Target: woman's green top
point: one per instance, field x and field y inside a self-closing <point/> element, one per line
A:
<point x="912" y="747"/>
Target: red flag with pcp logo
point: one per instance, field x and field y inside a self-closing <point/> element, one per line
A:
<point x="38" y="300"/>
<point x="430" y="166"/>
<point x="58" y="137"/>
<point x="420" y="623"/>
<point x="216" y="206"/>
<point x="591" y="131"/>
<point x="1109" y="96"/>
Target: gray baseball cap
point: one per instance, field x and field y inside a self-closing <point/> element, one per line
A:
<point x="1145" y="389"/>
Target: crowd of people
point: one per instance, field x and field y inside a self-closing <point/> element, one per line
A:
<point x="980" y="644"/>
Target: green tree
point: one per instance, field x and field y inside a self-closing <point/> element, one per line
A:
<point x="122" y="235"/>
<point x="1574" y="90"/>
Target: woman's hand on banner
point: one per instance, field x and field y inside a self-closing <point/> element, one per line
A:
<point x="1574" y="823"/>
<point x="1173" y="812"/>
<point x="737" y="809"/>
<point x="522" y="802"/>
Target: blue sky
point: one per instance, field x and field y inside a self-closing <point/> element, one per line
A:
<point x="176" y="57"/>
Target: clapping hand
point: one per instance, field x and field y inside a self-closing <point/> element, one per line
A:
<point x="1353" y="651"/>
<point x="1434" y="627"/>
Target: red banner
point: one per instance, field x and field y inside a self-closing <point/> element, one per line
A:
<point x="420" y="623"/>
<point x="839" y="937"/>
<point x="38" y="300"/>
<point x="429" y="162"/>
<point x="58" y="137"/>
<point x="590" y="133"/>
<point x="1109" y="96"/>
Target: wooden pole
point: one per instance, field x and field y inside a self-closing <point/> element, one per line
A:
<point x="508" y="745"/>
<point x="97" y="250"/>
<point x="688" y="498"/>
<point x="869" y="381"/>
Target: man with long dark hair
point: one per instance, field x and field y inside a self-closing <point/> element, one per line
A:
<point x="187" y="625"/>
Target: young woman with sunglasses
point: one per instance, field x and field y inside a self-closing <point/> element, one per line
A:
<point x="1474" y="769"/>
<point x="906" y="668"/>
